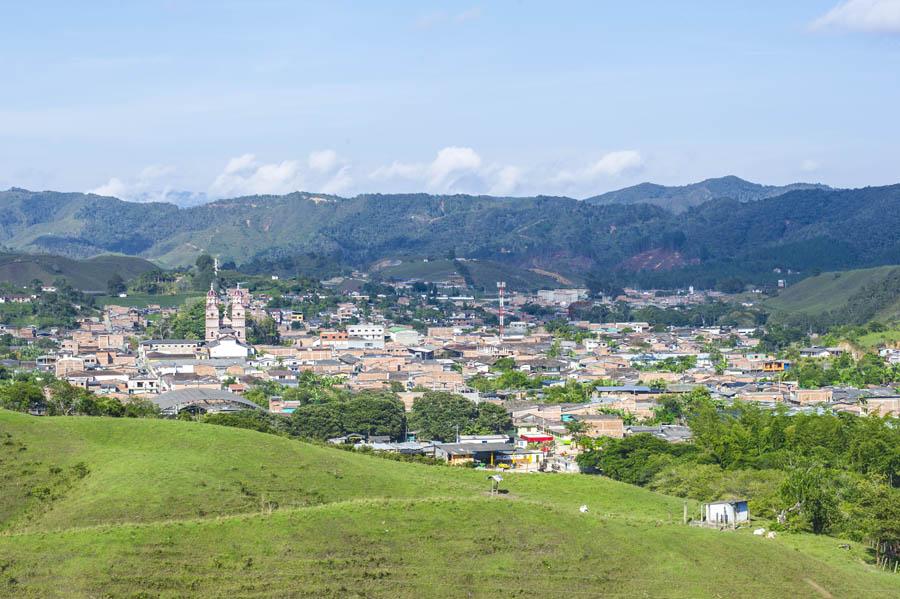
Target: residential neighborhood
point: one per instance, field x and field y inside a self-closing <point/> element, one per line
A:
<point x="560" y="379"/>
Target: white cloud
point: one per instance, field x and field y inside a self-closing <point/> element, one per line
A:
<point x="152" y="184"/>
<point x="876" y="16"/>
<point x="323" y="161"/>
<point x="450" y="164"/>
<point x="611" y="164"/>
<point x="323" y="172"/>
<point x="809" y="166"/>
<point x="115" y="188"/>
<point x="245" y="176"/>
<point x="241" y="163"/>
<point x="454" y="169"/>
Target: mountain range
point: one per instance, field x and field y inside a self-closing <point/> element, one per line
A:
<point x="800" y="231"/>
<point x="680" y="198"/>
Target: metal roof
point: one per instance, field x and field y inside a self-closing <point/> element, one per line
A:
<point x="186" y="397"/>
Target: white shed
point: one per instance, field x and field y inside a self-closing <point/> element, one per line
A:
<point x="723" y="513"/>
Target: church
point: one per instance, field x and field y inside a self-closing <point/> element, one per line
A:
<point x="226" y="333"/>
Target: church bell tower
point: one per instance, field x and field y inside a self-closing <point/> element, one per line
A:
<point x="212" y="314"/>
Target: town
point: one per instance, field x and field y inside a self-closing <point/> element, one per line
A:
<point x="508" y="380"/>
<point x="446" y="299"/>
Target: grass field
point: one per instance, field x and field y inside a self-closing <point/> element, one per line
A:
<point x="884" y="338"/>
<point x="148" y="508"/>
<point x="142" y="301"/>
<point x="90" y="274"/>
<point x="828" y="291"/>
<point x="484" y="273"/>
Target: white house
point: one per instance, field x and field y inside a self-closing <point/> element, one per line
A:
<point x="726" y="513"/>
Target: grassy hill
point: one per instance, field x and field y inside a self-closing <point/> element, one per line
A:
<point x="103" y="507"/>
<point x="90" y="274"/>
<point x="836" y="290"/>
<point x="485" y="274"/>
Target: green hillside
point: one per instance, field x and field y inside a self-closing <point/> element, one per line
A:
<point x="837" y="291"/>
<point x="484" y="274"/>
<point x="717" y="240"/>
<point x="103" y="507"/>
<point x="90" y="274"/>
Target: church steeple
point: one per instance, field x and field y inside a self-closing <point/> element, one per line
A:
<point x="212" y="314"/>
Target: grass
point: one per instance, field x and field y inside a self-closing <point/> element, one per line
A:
<point x="485" y="274"/>
<point x="104" y="507"/>
<point x="143" y="300"/>
<point x="91" y="274"/>
<point x="884" y="338"/>
<point x="827" y="291"/>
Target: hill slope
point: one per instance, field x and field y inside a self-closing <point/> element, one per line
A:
<point x="800" y="230"/>
<point x="862" y="294"/>
<point x="680" y="198"/>
<point x="89" y="275"/>
<point x="166" y="508"/>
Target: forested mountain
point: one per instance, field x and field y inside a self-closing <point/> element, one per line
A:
<point x="680" y="198"/>
<point x="715" y="242"/>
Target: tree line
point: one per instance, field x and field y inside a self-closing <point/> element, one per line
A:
<point x="825" y="473"/>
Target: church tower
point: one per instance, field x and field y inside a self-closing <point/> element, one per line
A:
<point x="212" y="315"/>
<point x="238" y="317"/>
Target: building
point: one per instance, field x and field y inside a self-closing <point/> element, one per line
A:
<point x="369" y="332"/>
<point x="726" y="513"/>
<point x="227" y="346"/>
<point x="232" y="322"/>
<point x="201" y="401"/>
<point x="562" y="297"/>
<point x="156" y="348"/>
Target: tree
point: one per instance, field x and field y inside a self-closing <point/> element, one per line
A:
<point x="205" y="272"/>
<point x="190" y="322"/>
<point x="576" y="428"/>
<point x="491" y="419"/>
<point x="374" y="414"/>
<point x="636" y="459"/>
<point x="21" y="396"/>
<point x="438" y="415"/>
<point x="317" y="421"/>
<point x="263" y="332"/>
<point x="115" y="285"/>
<point x="809" y="494"/>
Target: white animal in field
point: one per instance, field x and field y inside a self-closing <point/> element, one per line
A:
<point x="759" y="532"/>
<point x="771" y="534"/>
<point x="583" y="509"/>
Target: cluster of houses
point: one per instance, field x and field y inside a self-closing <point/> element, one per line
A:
<point x="628" y="365"/>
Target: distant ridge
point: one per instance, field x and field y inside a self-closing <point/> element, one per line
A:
<point x="680" y="198"/>
<point x="723" y="239"/>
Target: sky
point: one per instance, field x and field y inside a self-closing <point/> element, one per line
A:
<point x="150" y="100"/>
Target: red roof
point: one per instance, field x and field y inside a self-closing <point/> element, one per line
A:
<point x="536" y="437"/>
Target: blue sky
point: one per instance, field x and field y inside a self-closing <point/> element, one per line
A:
<point x="140" y="99"/>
